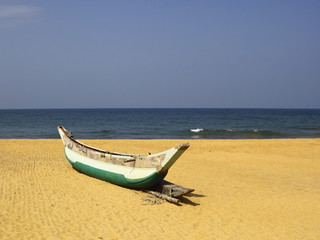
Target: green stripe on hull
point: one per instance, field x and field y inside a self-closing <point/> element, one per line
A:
<point x="119" y="179"/>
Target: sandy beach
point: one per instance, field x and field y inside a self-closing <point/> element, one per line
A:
<point x="244" y="189"/>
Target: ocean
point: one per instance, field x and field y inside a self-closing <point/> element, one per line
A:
<point x="161" y="123"/>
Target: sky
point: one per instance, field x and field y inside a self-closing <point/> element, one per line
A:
<point x="159" y="54"/>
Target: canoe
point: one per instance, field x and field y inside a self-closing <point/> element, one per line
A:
<point x="127" y="170"/>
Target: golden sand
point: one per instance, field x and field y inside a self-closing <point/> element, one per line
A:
<point x="245" y="189"/>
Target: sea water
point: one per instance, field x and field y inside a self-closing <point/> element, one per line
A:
<point x="162" y="123"/>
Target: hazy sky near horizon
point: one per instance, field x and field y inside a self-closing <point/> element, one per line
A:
<point x="110" y="54"/>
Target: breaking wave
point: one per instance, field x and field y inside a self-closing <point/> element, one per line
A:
<point x="196" y="130"/>
<point x="233" y="134"/>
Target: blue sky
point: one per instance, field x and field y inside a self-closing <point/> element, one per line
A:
<point x="110" y="54"/>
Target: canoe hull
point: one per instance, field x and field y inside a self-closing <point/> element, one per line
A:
<point x="118" y="178"/>
<point x="127" y="170"/>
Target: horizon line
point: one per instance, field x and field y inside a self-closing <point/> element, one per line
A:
<point x="127" y="108"/>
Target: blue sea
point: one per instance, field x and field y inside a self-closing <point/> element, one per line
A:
<point x="162" y="123"/>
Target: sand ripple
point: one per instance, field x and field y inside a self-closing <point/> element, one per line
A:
<point x="246" y="189"/>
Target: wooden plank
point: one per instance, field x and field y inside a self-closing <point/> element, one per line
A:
<point x="171" y="190"/>
<point x="163" y="196"/>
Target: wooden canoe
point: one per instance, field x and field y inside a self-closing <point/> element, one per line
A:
<point x="128" y="170"/>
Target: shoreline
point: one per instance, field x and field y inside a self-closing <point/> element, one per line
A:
<point x="244" y="189"/>
<point x="160" y="139"/>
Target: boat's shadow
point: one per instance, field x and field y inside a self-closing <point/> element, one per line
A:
<point x="185" y="200"/>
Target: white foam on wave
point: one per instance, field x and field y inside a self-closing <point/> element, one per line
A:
<point x="196" y="130"/>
